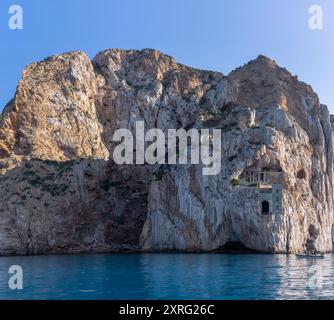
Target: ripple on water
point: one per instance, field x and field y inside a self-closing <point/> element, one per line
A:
<point x="171" y="276"/>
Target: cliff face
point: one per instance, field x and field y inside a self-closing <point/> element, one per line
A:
<point x="60" y="192"/>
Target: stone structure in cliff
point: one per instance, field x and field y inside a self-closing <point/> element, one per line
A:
<point x="62" y="193"/>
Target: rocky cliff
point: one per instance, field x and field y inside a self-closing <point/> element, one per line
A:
<point x="61" y="192"/>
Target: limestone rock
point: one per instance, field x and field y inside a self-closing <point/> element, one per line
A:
<point x="53" y="114"/>
<point x="62" y="193"/>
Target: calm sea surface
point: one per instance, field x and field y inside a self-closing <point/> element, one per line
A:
<point x="170" y="276"/>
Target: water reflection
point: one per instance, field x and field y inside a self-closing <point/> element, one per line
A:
<point x="305" y="278"/>
<point x="238" y="277"/>
<point x="171" y="276"/>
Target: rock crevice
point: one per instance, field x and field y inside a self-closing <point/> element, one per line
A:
<point x="62" y="193"/>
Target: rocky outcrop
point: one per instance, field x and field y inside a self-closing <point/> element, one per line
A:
<point x="61" y="191"/>
<point x="53" y="114"/>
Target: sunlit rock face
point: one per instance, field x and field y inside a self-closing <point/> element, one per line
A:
<point x="62" y="193"/>
<point x="275" y="124"/>
<point x="53" y="114"/>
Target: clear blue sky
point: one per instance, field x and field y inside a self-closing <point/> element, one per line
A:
<point x="209" y="34"/>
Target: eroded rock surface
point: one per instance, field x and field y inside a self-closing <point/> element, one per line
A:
<point x="61" y="191"/>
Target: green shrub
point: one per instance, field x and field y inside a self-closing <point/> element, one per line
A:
<point x="163" y="169"/>
<point x="29" y="173"/>
<point x="107" y="184"/>
<point x="235" y="182"/>
<point x="55" y="190"/>
<point x="35" y="182"/>
<point x="231" y="158"/>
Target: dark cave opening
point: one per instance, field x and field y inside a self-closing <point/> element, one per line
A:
<point x="234" y="247"/>
<point x="265" y="207"/>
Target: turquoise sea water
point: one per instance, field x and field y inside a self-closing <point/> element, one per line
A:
<point x="170" y="276"/>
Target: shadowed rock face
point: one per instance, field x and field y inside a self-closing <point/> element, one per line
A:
<point x="62" y="193"/>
